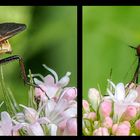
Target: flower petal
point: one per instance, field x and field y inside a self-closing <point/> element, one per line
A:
<point x="69" y="113"/>
<point x="53" y="129"/>
<point x="38" y="82"/>
<point x="6" y="123"/>
<point x="132" y="95"/>
<point x="120" y="92"/>
<point x="49" y="80"/>
<point x="36" y="129"/>
<point x="64" y="80"/>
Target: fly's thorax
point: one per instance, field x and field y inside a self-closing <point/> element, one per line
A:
<point x="5" y="47"/>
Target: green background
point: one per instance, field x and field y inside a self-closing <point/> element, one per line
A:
<point x="50" y="38"/>
<point x="107" y="32"/>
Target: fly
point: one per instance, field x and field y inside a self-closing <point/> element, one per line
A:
<point x="135" y="76"/>
<point x="7" y="30"/>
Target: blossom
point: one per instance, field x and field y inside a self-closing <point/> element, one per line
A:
<point x="105" y="109"/>
<point x="129" y="113"/>
<point x="51" y="85"/>
<point x="85" y="105"/>
<point x="114" y="114"/>
<point x="121" y="129"/>
<point x="7" y="128"/>
<point x="71" y="127"/>
<point x="121" y="100"/>
<point x="94" y="98"/>
<point x="107" y="122"/>
<point x="102" y="131"/>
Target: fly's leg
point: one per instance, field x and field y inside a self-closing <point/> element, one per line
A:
<point x="23" y="73"/>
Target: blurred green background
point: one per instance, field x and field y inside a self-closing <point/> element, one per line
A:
<point x="50" y="38"/>
<point x="107" y="32"/>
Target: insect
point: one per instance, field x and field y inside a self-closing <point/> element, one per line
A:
<point x="135" y="76"/>
<point x="7" y="30"/>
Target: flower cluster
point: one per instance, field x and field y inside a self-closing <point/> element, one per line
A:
<point x="52" y="109"/>
<point x="117" y="113"/>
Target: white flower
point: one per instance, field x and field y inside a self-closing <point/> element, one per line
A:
<point x="31" y="121"/>
<point x="120" y="99"/>
<point x="50" y="83"/>
<point x="7" y="128"/>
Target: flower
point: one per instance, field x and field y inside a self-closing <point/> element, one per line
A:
<point x="121" y="100"/>
<point x="94" y="98"/>
<point x="122" y="129"/>
<point x="51" y="85"/>
<point x="71" y="127"/>
<point x="85" y="105"/>
<point x="51" y="109"/>
<point x="116" y="114"/>
<point x="7" y="128"/>
<point x="129" y="113"/>
<point x="107" y="122"/>
<point x="105" y="109"/>
<point x="102" y="131"/>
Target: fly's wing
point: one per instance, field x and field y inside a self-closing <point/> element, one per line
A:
<point x="7" y="30"/>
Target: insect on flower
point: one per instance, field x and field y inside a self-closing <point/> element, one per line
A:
<point x="7" y="30"/>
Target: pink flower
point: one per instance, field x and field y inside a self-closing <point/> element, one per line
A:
<point x="108" y="122"/>
<point x="91" y="116"/>
<point x="69" y="93"/>
<point x="122" y="129"/>
<point x="105" y="109"/>
<point x="102" y="131"/>
<point x="51" y="85"/>
<point x="71" y="127"/>
<point x="85" y="106"/>
<point x="130" y="113"/>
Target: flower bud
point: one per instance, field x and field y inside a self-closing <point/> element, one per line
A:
<point x="64" y="80"/>
<point x="85" y="106"/>
<point x="108" y="122"/>
<point x="121" y="129"/>
<point x="70" y="93"/>
<point x="105" y="109"/>
<point x="71" y="127"/>
<point x="130" y="113"/>
<point x="91" y="116"/>
<point x="94" y="98"/>
<point x="102" y="131"/>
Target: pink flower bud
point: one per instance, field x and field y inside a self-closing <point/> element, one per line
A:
<point x="105" y="109"/>
<point x="91" y="116"/>
<point x="137" y="125"/>
<point x="121" y="129"/>
<point x="94" y="98"/>
<point x="127" y="123"/>
<point x="62" y="125"/>
<point x="130" y="113"/>
<point x="85" y="106"/>
<point x="70" y="93"/>
<point x="108" y="122"/>
<point x="114" y="128"/>
<point x="102" y="131"/>
<point x="71" y="127"/>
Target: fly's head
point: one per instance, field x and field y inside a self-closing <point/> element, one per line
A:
<point x="7" y="30"/>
